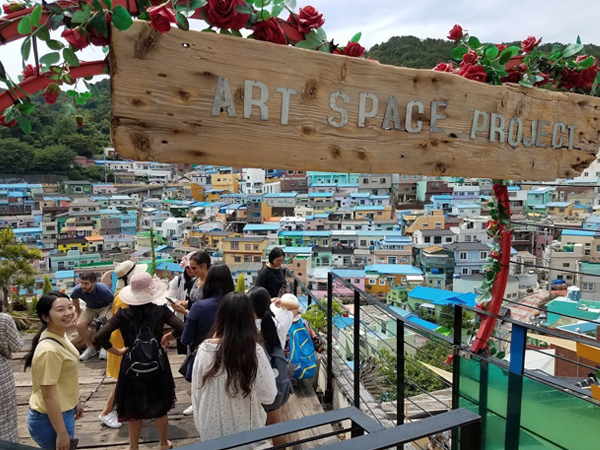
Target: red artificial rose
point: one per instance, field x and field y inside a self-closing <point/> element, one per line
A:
<point x="499" y="190"/>
<point x="569" y="79"/>
<point x="354" y="49"/>
<point x="270" y="31"/>
<point x="290" y="29"/>
<point x="161" y="17"/>
<point x="96" y="37"/>
<point x="51" y="94"/>
<point x="494" y="254"/>
<point x="588" y="75"/>
<point x="529" y="44"/>
<point x="76" y="39"/>
<point x="6" y="124"/>
<point x="456" y="33"/>
<point x="28" y="72"/>
<point x="79" y="120"/>
<point x="500" y="47"/>
<point x="514" y="74"/>
<point x="470" y="57"/>
<point x="472" y="72"/>
<point x="308" y="18"/>
<point x="444" y="67"/>
<point x="223" y="14"/>
<point x="12" y="7"/>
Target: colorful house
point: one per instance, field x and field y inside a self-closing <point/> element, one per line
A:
<point x="380" y="278"/>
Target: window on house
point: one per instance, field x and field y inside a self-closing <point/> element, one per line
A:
<point x="237" y="259"/>
<point x="588" y="287"/>
<point x="437" y="239"/>
<point x="382" y="282"/>
<point x="468" y="238"/>
<point x="438" y="224"/>
<point x="235" y="246"/>
<point x="427" y="239"/>
<point x="255" y="247"/>
<point x="483" y="255"/>
<point x="372" y="281"/>
<point x="465" y="271"/>
<point x="566" y="264"/>
<point x="247" y="246"/>
<point x="462" y="255"/>
<point x="448" y="240"/>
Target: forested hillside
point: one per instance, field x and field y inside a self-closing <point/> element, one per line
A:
<point x="56" y="139"/>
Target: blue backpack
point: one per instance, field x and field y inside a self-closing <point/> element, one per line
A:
<point x="302" y="360"/>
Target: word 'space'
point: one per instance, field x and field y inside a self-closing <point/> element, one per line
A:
<point x="495" y="127"/>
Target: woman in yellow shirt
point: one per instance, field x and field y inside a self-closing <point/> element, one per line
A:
<point x="54" y="403"/>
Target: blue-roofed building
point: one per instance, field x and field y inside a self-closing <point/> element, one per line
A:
<point x="432" y="300"/>
<point x="562" y="209"/>
<point x="539" y="196"/>
<point x="592" y="222"/>
<point x="28" y="236"/>
<point x="304" y="238"/>
<point x="168" y="270"/>
<point x="380" y="278"/>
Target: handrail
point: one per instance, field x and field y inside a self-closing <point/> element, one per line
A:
<point x="358" y="418"/>
<point x="388" y="310"/>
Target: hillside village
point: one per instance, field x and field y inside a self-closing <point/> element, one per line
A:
<point x="410" y="240"/>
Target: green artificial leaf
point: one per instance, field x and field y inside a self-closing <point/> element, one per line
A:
<point x="107" y="3"/>
<point x="55" y="45"/>
<point x="42" y="33"/>
<point x="277" y="9"/>
<point x="121" y="18"/>
<point x="356" y="37"/>
<point x="85" y="95"/>
<point x="554" y="56"/>
<point x="80" y="100"/>
<point x="182" y="22"/>
<point x="70" y="57"/>
<point x="459" y="52"/>
<point x="501" y="355"/>
<point x="244" y="9"/>
<point x="587" y="62"/>
<point x="97" y="5"/>
<point x="492" y="52"/>
<point x="225" y="32"/>
<point x="72" y="93"/>
<point x="323" y="36"/>
<point x="313" y="38"/>
<point x="264" y="15"/>
<point x="2" y="71"/>
<point x="79" y="17"/>
<point x="95" y="91"/>
<point x="26" y="48"/>
<point x="25" y="25"/>
<point x="307" y="44"/>
<point x="55" y="22"/>
<point x="68" y="79"/>
<point x="325" y="47"/>
<point x="508" y="53"/>
<point x="195" y="4"/>
<point x="50" y="58"/>
<point x="236" y="33"/>
<point x="526" y="82"/>
<point x="262" y="3"/>
<point x="571" y="50"/>
<point x="493" y="351"/>
<point x="474" y="42"/>
<point x="486" y="62"/>
<point x="25" y="124"/>
<point x="26" y="107"/>
<point x="578" y="40"/>
<point x="36" y="15"/>
<point x="105" y="49"/>
<point x="54" y="8"/>
<point x="490" y="275"/>
<point x="290" y="4"/>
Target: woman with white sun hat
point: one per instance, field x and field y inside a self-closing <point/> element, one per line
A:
<point x="153" y="395"/>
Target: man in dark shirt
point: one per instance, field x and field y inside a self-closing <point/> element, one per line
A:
<point x="98" y="299"/>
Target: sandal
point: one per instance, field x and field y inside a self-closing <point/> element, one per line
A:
<point x="166" y="447"/>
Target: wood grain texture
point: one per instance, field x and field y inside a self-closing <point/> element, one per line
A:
<point x="163" y="87"/>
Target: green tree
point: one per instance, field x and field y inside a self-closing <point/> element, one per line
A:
<point x="317" y="317"/>
<point x="47" y="287"/>
<point x="15" y="263"/>
<point x="54" y="159"/>
<point x="241" y="284"/>
<point x="17" y="156"/>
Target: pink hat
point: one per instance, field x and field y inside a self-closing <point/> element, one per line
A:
<point x="185" y="261"/>
<point x="143" y="289"/>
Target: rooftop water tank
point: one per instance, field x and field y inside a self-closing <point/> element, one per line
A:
<point x="573" y="293"/>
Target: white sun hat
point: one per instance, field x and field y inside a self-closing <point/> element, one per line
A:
<point x="126" y="270"/>
<point x="143" y="289"/>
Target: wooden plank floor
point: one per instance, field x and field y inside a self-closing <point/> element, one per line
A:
<point x="95" y="387"/>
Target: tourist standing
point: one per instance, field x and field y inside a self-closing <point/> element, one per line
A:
<point x="123" y="272"/>
<point x="271" y="276"/>
<point x="54" y="403"/>
<point x="181" y="285"/>
<point x="10" y="341"/>
<point x="148" y="394"/>
<point x="97" y="297"/>
<point x="200" y="263"/>
<point x="232" y="375"/>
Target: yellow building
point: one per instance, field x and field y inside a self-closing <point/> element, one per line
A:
<point x="560" y="208"/>
<point x="196" y="191"/>
<point x="226" y="182"/>
<point x="213" y="195"/>
<point x="381" y="278"/>
<point x="376" y="212"/>
<point x="433" y="222"/>
<point x="213" y="238"/>
<point x="79" y="243"/>
<point x="243" y="249"/>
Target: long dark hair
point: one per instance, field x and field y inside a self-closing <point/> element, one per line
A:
<point x="43" y="307"/>
<point x="261" y="302"/>
<point x="219" y="282"/>
<point x="201" y="258"/>
<point x="238" y="336"/>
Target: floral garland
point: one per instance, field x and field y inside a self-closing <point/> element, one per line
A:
<point x="86" y="22"/>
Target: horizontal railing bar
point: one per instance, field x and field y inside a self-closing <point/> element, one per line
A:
<point x="235" y="440"/>
<point x="409" y="432"/>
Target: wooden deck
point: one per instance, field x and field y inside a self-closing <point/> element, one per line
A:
<point x="95" y="387"/>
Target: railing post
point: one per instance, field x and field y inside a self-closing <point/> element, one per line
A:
<point x="399" y="372"/>
<point x="296" y="288"/>
<point x="518" y="344"/>
<point x="328" y="398"/>
<point x="356" y="431"/>
<point x="456" y="343"/>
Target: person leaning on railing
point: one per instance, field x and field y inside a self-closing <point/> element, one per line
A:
<point x="10" y="341"/>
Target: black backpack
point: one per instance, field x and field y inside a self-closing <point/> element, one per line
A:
<point x="145" y="355"/>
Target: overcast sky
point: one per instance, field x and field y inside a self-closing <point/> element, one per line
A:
<point x="490" y="20"/>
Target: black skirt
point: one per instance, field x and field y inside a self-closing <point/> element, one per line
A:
<point x="147" y="397"/>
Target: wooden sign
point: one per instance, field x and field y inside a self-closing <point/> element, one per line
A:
<point x="206" y="98"/>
